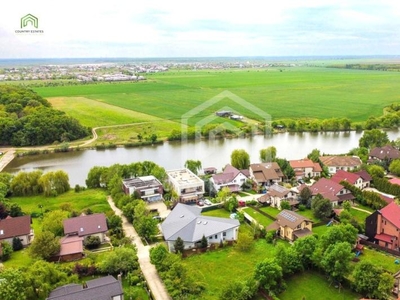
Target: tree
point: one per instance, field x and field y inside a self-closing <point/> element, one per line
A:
<point x="12" y="284"/>
<point x="285" y="204"/>
<point x="94" y="177"/>
<point x="54" y="183"/>
<point x="394" y="167"/>
<point x="91" y="242"/>
<point x="121" y="260"/>
<point x="158" y="254"/>
<point x="147" y="227"/>
<point x="314" y="155"/>
<point x="17" y="244"/>
<point x="53" y="222"/>
<point x="366" y="278"/>
<point x="269" y="274"/>
<point x="193" y="165"/>
<point x="336" y="260"/>
<point x="343" y="233"/>
<point x="321" y="207"/>
<point x="223" y="194"/>
<point x="305" y="248"/>
<point x="288" y="259"/>
<point x="305" y="195"/>
<point x="179" y="245"/>
<point x="240" y="159"/>
<point x="6" y="251"/>
<point x="385" y="286"/>
<point x="45" y="245"/>
<point x="373" y="138"/>
<point x="203" y="242"/>
<point x="376" y="171"/>
<point x="347" y="205"/>
<point x="245" y="241"/>
<point x="239" y="290"/>
<point x="268" y="154"/>
<point x="286" y="168"/>
<point x="15" y="210"/>
<point x="26" y="183"/>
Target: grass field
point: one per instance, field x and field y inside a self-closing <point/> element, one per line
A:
<point x="261" y="219"/>
<point x="386" y="261"/>
<point x="93" y="199"/>
<point x="325" y="92"/>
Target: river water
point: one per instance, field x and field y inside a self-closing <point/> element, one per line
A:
<point x="172" y="155"/>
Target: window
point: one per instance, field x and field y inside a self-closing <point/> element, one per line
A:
<point x="210" y="237"/>
<point x="1" y="232"/>
<point x="224" y="233"/>
<point x="216" y="236"/>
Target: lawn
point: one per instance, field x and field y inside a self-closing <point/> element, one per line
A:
<point x="314" y="286"/>
<point x="215" y="269"/>
<point x="261" y="219"/>
<point x="95" y="199"/>
<point x="272" y="211"/>
<point x="326" y="92"/>
<point x="220" y="213"/>
<point x="359" y="215"/>
<point x="386" y="261"/>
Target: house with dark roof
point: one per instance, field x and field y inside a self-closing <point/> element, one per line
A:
<point x="19" y="227"/>
<point x="148" y="188"/>
<point x="265" y="174"/>
<point x="331" y="190"/>
<point x="278" y="193"/>
<point x="231" y="178"/>
<point x="186" y="222"/>
<point x="305" y="168"/>
<point x="83" y="226"/>
<point x="385" y="153"/>
<point x="383" y="226"/>
<point x="291" y="226"/>
<point x="104" y="288"/>
<point x="335" y="163"/>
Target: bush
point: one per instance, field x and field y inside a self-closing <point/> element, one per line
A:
<point x="269" y="237"/>
<point x="92" y="242"/>
<point x="6" y="251"/>
<point x="84" y="270"/>
<point x="17" y="244"/>
<point x="302" y="207"/>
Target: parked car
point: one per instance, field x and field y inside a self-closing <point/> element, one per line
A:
<point x="200" y="203"/>
<point x="158" y="218"/>
<point x="207" y="202"/>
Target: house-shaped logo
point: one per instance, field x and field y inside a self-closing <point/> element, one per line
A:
<point x="29" y="19"/>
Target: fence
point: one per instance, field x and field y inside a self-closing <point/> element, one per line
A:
<point x="377" y="247"/>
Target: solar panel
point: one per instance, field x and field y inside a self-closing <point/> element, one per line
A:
<point x="288" y="216"/>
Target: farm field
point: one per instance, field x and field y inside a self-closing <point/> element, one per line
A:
<point x="325" y="92"/>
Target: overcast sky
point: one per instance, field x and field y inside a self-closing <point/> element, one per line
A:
<point x="169" y="28"/>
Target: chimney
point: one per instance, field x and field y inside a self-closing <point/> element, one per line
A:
<point x="119" y="277"/>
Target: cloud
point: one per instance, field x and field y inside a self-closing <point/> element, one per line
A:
<point x="205" y="28"/>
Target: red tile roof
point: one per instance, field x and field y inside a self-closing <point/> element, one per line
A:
<point x="327" y="188"/>
<point x="395" y="181"/>
<point x="71" y="245"/>
<point x="384" y="237"/>
<point x="341" y="175"/>
<point x="17" y="226"/>
<point x="85" y="225"/>
<point x="387" y="151"/>
<point x="301" y="163"/>
<point x="391" y="212"/>
<point x="364" y="175"/>
<point x="343" y="161"/>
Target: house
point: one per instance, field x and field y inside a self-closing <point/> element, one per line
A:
<point x="351" y="178"/>
<point x="383" y="226"/>
<point x="71" y="249"/>
<point x="291" y="226"/>
<point x="103" y="288"/>
<point x="186" y="222"/>
<point x="331" y="190"/>
<point x="366" y="178"/>
<point x="19" y="227"/>
<point x="278" y="193"/>
<point x="337" y="162"/>
<point x="231" y="178"/>
<point x="148" y="188"/>
<point x="385" y="153"/>
<point x="83" y="226"/>
<point x="265" y="174"/>
<point x="223" y="113"/>
<point x="305" y="168"/>
<point x="188" y="186"/>
<point x="210" y="170"/>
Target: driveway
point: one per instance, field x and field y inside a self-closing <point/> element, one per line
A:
<point x="149" y="271"/>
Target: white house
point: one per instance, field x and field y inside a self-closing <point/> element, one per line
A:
<point x="305" y="168"/>
<point x="186" y="222"/>
<point x="188" y="186"/>
<point x="337" y="162"/>
<point x="278" y="193"/>
<point x="231" y="178"/>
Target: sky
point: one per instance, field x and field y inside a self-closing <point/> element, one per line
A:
<point x="148" y="28"/>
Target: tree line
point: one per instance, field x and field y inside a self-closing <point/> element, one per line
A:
<point x="26" y="119"/>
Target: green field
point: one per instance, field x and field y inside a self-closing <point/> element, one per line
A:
<point x="325" y="92"/>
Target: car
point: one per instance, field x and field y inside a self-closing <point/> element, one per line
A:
<point x="157" y="218"/>
<point x="200" y="203"/>
<point x="207" y="202"/>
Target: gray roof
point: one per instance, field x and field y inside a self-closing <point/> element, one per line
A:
<point x="186" y="222"/>
<point x="103" y="288"/>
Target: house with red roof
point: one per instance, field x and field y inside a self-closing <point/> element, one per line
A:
<point x="331" y="190"/>
<point x="231" y="178"/>
<point x="83" y="226"/>
<point x="383" y="226"/>
<point x="366" y="178"/>
<point x="19" y="227"/>
<point x="305" y="168"/>
<point x="351" y="178"/>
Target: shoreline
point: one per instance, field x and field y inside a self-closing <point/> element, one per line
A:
<point x="7" y="158"/>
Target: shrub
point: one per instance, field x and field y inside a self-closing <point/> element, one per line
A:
<point x="302" y="207"/>
<point x="92" y="242"/>
<point x="6" y="251"/>
<point x="17" y="244"/>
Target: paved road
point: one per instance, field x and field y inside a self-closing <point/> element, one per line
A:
<point x="149" y="271"/>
